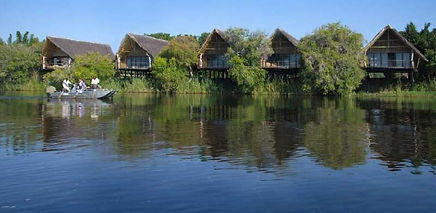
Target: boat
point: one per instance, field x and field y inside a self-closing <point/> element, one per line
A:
<point x="85" y="94"/>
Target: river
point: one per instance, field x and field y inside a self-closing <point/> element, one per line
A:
<point x="198" y="153"/>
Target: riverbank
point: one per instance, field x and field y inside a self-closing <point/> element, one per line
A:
<point x="195" y="86"/>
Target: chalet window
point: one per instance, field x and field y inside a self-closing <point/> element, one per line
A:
<point x="384" y="59"/>
<point x="406" y="59"/>
<point x="378" y="59"/>
<point x="285" y="60"/>
<point x="216" y="61"/>
<point x="297" y="60"/>
<point x="398" y="60"/>
<point x="138" y="62"/>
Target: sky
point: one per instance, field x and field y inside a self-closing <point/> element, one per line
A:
<point x="108" y="21"/>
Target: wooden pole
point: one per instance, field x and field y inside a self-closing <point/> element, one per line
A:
<point x="411" y="79"/>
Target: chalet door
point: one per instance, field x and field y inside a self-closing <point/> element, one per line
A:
<point x="391" y="59"/>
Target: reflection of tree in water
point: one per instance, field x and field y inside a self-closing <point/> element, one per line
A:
<point x="257" y="133"/>
<point x="338" y="136"/>
<point x="287" y="140"/>
<point x="20" y="125"/>
<point x="402" y="132"/>
<point x="235" y="129"/>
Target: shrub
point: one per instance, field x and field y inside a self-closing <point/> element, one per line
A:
<point x="247" y="78"/>
<point x="55" y="78"/>
<point x="168" y="74"/>
<point x="91" y="65"/>
<point x="332" y="55"/>
<point x="17" y="64"/>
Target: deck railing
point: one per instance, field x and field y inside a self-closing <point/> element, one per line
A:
<point x="280" y="65"/>
<point x="390" y="64"/>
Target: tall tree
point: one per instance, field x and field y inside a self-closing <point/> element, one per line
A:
<point x="332" y="55"/>
<point x="202" y="38"/>
<point x="425" y="41"/>
<point x="244" y="57"/>
<point x="250" y="46"/>
<point x="163" y="36"/>
<point x="26" y="38"/>
<point x="184" y="49"/>
<point x="10" y="39"/>
<point x="410" y="33"/>
<point x="18" y="37"/>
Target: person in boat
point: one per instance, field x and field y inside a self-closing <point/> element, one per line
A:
<point x="74" y="89"/>
<point x="94" y="83"/>
<point x="82" y="86"/>
<point x="66" y="85"/>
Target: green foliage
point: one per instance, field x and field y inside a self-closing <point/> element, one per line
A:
<point x="202" y="38"/>
<point x="244" y="58"/>
<point x="168" y="74"/>
<point x="339" y="135"/>
<point x="91" y="65"/>
<point x="26" y="39"/>
<point x="279" y="86"/>
<point x="184" y="50"/>
<point x="247" y="78"/>
<point x="31" y="84"/>
<point x="17" y="64"/>
<point x="250" y="46"/>
<point x="163" y="36"/>
<point x="331" y="56"/>
<point x="136" y="85"/>
<point x="55" y="78"/>
<point x="2" y="43"/>
<point x="425" y="41"/>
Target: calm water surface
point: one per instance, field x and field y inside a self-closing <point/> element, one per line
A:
<point x="192" y="153"/>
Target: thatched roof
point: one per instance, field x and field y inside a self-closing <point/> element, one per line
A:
<point x="288" y="36"/>
<point x="151" y="45"/>
<point x="215" y="31"/>
<point x="401" y="37"/>
<point x="73" y="48"/>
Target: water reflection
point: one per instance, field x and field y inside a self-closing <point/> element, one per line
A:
<point x="265" y="133"/>
<point x="403" y="132"/>
<point x="338" y="135"/>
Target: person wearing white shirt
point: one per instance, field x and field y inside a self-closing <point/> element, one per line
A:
<point x="66" y="85"/>
<point x="94" y="83"/>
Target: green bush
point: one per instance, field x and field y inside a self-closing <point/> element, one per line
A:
<point x="247" y="78"/>
<point x="244" y="58"/>
<point x="279" y="86"/>
<point x="332" y="55"/>
<point x="91" y="65"/>
<point x="18" y="63"/>
<point x="55" y="78"/>
<point x="168" y="74"/>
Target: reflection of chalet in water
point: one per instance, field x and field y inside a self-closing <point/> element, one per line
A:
<point x="389" y="52"/>
<point x="213" y="50"/>
<point x="60" y="52"/>
<point x="285" y="57"/>
<point x="136" y="54"/>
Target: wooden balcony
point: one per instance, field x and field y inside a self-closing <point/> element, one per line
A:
<point x="390" y="65"/>
<point x="279" y="65"/>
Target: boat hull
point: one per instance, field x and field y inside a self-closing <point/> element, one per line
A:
<point x="86" y="94"/>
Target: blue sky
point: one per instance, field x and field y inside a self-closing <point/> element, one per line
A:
<point x="108" y="21"/>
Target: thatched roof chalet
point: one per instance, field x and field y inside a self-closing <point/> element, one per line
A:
<point x="72" y="48"/>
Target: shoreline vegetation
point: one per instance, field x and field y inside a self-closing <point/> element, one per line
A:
<point x="331" y="66"/>
<point x="275" y="87"/>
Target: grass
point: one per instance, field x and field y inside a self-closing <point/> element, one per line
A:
<point x="279" y="87"/>
<point x="32" y="84"/>
<point x="207" y="86"/>
<point x="423" y="89"/>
